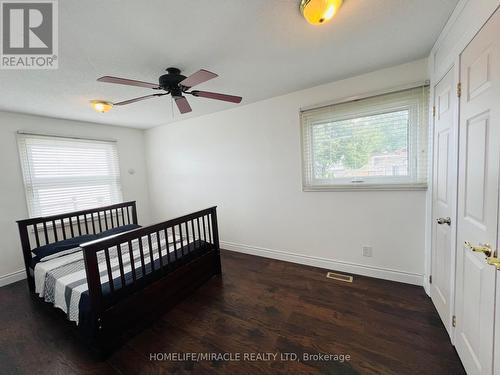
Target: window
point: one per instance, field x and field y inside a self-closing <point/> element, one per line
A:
<point x="66" y="174"/>
<point x="375" y="143"/>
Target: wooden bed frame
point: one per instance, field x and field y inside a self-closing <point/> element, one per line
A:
<point x="141" y="299"/>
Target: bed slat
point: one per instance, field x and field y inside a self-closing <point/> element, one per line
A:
<point x="209" y="219"/>
<point x="150" y="245"/>
<point x="187" y="235"/>
<point x="123" y="216"/>
<point x="79" y="225"/>
<point x="105" y="216"/>
<point x="120" y="264"/>
<point x="37" y="238"/>
<point x="63" y="229"/>
<point x="132" y="260"/>
<point x="175" y="243"/>
<point x="86" y="224"/>
<point x="99" y="220"/>
<point x="192" y="231"/>
<point x="141" y="251"/>
<point x="198" y="224"/>
<point x="110" y="271"/>
<point x="93" y="223"/>
<point x="167" y="246"/>
<point x="45" y="233"/>
<point x="158" y="242"/>
<point x="182" y="239"/>
<point x="204" y="230"/>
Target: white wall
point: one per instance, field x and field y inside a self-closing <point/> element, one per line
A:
<point x="247" y="161"/>
<point x="12" y="199"/>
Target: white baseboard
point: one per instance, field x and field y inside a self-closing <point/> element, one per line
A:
<point x="12" y="277"/>
<point x="329" y="264"/>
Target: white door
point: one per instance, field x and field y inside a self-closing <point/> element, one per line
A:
<point x="444" y="198"/>
<point x="479" y="165"/>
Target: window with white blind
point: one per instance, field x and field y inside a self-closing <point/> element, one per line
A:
<point x="375" y="143"/>
<point x="67" y="174"/>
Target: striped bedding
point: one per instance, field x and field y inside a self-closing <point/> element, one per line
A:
<point x="62" y="280"/>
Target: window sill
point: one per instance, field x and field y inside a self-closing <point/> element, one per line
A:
<point x="366" y="187"/>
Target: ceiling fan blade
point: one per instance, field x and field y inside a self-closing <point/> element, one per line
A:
<point x="183" y="104"/>
<point x="217" y="96"/>
<point x="125" y="102"/>
<point x="128" y="82"/>
<point x="200" y="76"/>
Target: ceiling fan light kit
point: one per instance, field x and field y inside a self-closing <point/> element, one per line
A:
<point x="175" y="84"/>
<point x="101" y="106"/>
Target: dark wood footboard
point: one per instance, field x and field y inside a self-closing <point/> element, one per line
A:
<point x="150" y="287"/>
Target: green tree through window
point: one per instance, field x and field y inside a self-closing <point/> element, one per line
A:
<point x="352" y="147"/>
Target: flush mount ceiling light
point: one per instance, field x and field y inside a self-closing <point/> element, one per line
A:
<point x="101" y="105"/>
<point x="317" y="12"/>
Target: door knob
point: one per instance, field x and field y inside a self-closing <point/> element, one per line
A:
<point x="494" y="262"/>
<point x="484" y="248"/>
<point x="444" y="220"/>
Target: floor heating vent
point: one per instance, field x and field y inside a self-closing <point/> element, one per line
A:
<point x="339" y="277"/>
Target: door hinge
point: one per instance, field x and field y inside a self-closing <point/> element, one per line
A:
<point x="454" y="321"/>
<point x="434" y="111"/>
<point x="430" y="279"/>
<point x="459" y="89"/>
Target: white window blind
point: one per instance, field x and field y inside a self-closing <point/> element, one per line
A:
<point x="375" y="143"/>
<point x="67" y="174"/>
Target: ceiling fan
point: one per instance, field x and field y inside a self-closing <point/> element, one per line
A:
<point x="175" y="84"/>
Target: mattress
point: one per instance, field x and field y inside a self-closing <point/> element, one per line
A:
<point x="62" y="280"/>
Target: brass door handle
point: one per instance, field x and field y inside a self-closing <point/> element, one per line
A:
<point x="494" y="262"/>
<point x="444" y="220"/>
<point x="485" y="248"/>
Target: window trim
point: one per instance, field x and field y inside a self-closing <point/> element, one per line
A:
<point x="405" y="183"/>
<point x="366" y="95"/>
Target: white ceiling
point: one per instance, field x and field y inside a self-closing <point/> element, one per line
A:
<point x="259" y="48"/>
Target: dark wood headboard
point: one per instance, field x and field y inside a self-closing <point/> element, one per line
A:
<point x="40" y="231"/>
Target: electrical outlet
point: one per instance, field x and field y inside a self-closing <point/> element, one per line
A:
<point x="367" y="251"/>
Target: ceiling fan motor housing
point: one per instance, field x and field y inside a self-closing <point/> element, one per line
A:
<point x="170" y="81"/>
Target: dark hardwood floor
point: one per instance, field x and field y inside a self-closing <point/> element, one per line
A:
<point x="258" y="306"/>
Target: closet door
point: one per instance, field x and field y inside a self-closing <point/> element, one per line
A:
<point x="444" y="198"/>
<point x="479" y="164"/>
